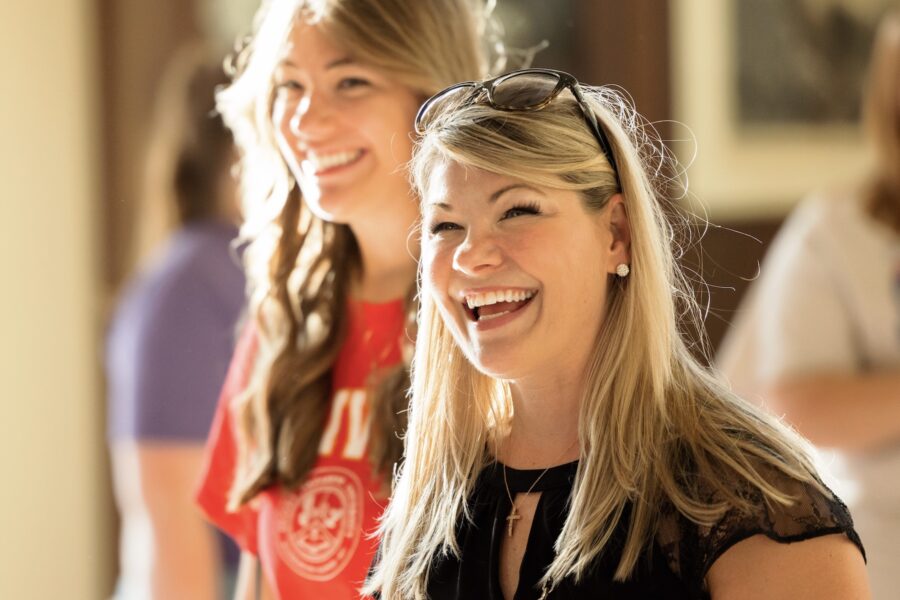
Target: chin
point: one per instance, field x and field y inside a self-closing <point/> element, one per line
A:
<point x="496" y="364"/>
<point x="331" y="207"/>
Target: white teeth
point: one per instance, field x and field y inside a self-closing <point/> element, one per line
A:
<point x="488" y="298"/>
<point x="328" y="161"/>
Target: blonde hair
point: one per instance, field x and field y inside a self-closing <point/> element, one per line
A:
<point x="655" y="427"/>
<point x="881" y="116"/>
<point x="299" y="267"/>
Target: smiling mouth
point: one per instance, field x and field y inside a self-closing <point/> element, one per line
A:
<point x="325" y="163"/>
<point x="492" y="305"/>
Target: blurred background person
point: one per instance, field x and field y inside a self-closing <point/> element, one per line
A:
<point x="170" y="341"/>
<point x="818" y="339"/>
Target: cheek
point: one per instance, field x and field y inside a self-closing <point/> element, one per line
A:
<point x="577" y="269"/>
<point x="392" y="133"/>
<point x="435" y="270"/>
<point x="280" y="118"/>
<point x="436" y="279"/>
<point x="401" y="151"/>
<point x="395" y="148"/>
<point x="587" y="296"/>
<point x="284" y="137"/>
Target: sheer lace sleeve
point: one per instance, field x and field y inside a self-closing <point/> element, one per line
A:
<point x="691" y="549"/>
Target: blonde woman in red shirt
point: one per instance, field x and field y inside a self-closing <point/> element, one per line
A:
<point x="322" y="106"/>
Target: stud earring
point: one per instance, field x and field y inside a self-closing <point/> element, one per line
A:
<point x="623" y="270"/>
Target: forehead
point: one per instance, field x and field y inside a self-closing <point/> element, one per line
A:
<point x="308" y="46"/>
<point x="450" y="182"/>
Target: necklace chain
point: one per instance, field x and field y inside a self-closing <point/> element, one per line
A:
<point x="514" y="512"/>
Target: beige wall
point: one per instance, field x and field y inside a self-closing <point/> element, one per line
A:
<point x="53" y="537"/>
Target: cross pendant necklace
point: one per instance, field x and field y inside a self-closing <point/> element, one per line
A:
<point x="514" y="515"/>
<point x="511" y="520"/>
<point x="514" y="512"/>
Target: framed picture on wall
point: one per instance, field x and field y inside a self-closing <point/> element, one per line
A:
<point x="770" y="90"/>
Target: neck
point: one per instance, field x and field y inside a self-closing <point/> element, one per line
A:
<point x="388" y="262"/>
<point x="544" y="429"/>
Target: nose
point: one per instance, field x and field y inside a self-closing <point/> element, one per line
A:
<point x="312" y="117"/>
<point x="479" y="254"/>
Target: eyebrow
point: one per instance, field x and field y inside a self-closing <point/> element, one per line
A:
<point x="495" y="196"/>
<point x="339" y="62"/>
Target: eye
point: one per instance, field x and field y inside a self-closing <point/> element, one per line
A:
<point x="443" y="227"/>
<point x="521" y="210"/>
<point x="288" y="85"/>
<point x="349" y="83"/>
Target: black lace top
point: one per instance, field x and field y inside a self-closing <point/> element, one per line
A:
<point x="673" y="568"/>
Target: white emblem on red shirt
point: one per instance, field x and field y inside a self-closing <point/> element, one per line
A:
<point x="318" y="526"/>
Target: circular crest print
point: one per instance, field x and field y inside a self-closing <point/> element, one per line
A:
<point x="319" y="525"/>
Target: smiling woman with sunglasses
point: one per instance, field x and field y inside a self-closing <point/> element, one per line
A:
<point x="563" y="442"/>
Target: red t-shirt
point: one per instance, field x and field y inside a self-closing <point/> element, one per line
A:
<point x="313" y="542"/>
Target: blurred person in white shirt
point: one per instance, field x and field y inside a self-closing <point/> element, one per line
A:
<point x="818" y="337"/>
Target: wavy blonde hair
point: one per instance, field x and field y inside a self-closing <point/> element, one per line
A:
<point x="881" y="116"/>
<point x="655" y="426"/>
<point x="299" y="267"/>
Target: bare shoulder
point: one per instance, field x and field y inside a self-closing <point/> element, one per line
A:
<point x="820" y="568"/>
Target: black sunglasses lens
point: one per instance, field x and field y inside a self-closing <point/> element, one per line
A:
<point x="525" y="90"/>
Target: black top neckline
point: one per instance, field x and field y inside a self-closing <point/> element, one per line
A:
<point x="672" y="566"/>
<point x="520" y="480"/>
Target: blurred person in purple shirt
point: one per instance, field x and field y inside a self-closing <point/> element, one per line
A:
<point x="170" y="342"/>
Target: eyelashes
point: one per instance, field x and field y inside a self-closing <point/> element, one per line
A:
<point x="442" y="227"/>
<point x="348" y="83"/>
<point x="344" y="85"/>
<point x="528" y="208"/>
<point x="288" y="85"/>
<point x="519" y="210"/>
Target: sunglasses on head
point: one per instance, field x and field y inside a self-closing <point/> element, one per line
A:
<point x="523" y="90"/>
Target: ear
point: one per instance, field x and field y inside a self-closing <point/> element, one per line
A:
<point x="620" y="228"/>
